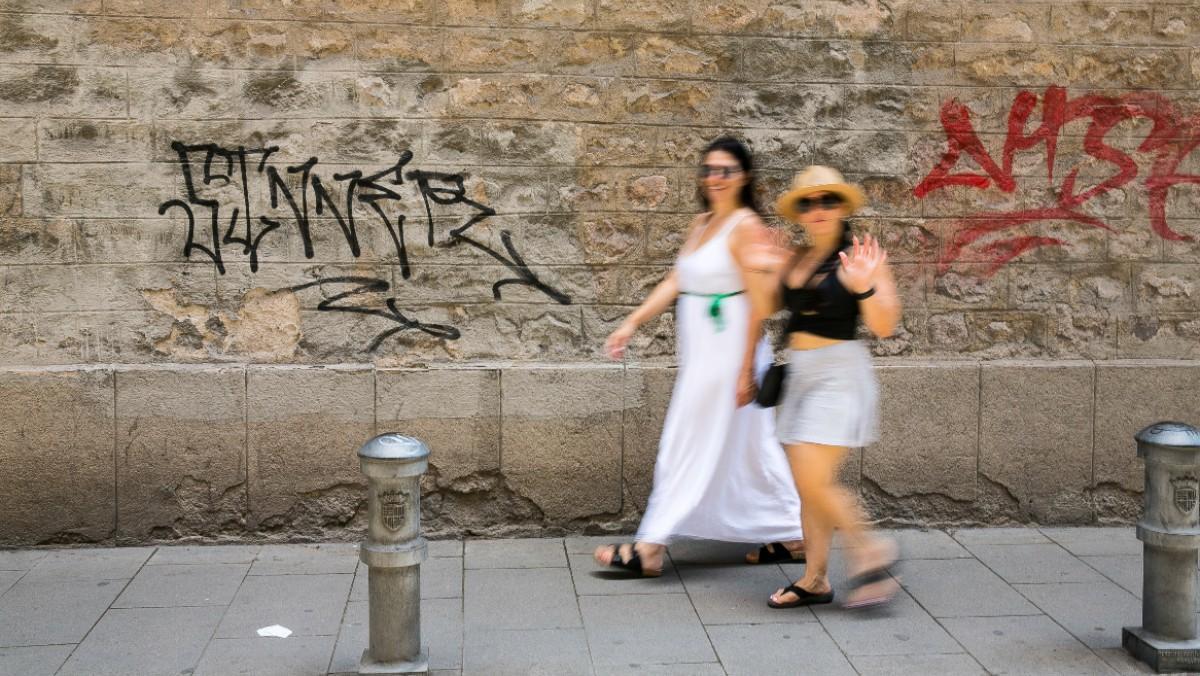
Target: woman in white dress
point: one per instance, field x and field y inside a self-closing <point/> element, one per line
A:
<point x="720" y="473"/>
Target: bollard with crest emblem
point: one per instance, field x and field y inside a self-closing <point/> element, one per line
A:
<point x="1170" y="533"/>
<point x="393" y="552"/>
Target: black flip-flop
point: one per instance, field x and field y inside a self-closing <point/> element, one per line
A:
<point x="803" y="598"/>
<point x="776" y="552"/>
<point x="633" y="565"/>
<point x="873" y="576"/>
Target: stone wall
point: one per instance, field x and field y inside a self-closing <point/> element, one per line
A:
<point x="202" y="202"/>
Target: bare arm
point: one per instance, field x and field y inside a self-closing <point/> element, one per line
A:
<point x="753" y="249"/>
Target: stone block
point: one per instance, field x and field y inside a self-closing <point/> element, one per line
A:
<point x="784" y="60"/>
<point x="455" y="412"/>
<point x="1165" y="287"/>
<point x="594" y="53"/>
<point x="647" y="394"/>
<point x="522" y="143"/>
<point x="181" y="469"/>
<point x="709" y="57"/>
<point x="11" y="185"/>
<point x="1036" y="424"/>
<point x="1177" y="24"/>
<point x="668" y="102"/>
<point x="1005" y="22"/>
<point x="927" y="63"/>
<point x="1012" y="64"/>
<point x="57" y="446"/>
<point x="500" y="51"/>
<point x="27" y="90"/>
<point x="1131" y="395"/>
<point x="137" y="287"/>
<point x="668" y="15"/>
<point x="772" y="105"/>
<point x="19" y="339"/>
<point x="94" y="140"/>
<point x="18" y="142"/>
<point x="1127" y="67"/>
<point x="38" y="288"/>
<point x="969" y="286"/>
<point x="137" y="41"/>
<point x="305" y="426"/>
<point x="562" y="438"/>
<point x="934" y="20"/>
<point x="36" y="240"/>
<point x="929" y="430"/>
<point x="1105" y="22"/>
<point x="97" y="190"/>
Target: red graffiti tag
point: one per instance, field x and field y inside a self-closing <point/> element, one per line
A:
<point x="1171" y="139"/>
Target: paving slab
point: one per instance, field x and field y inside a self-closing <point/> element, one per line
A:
<point x="21" y="559"/>
<point x="193" y="554"/>
<point x="644" y="629"/>
<point x="962" y="588"/>
<point x="544" y="652"/>
<point x="1114" y="541"/>
<point x="41" y="660"/>
<point x="1034" y="564"/>
<point x="1093" y="612"/>
<point x="306" y="559"/>
<point x="586" y="544"/>
<point x="999" y="536"/>
<point x="709" y="552"/>
<point x="900" y="627"/>
<point x="681" y="669"/>
<point x="445" y="548"/>
<point x="52" y="612"/>
<point x="738" y="595"/>
<point x="1125" y="571"/>
<point x="778" y="649"/>
<point x="592" y="580"/>
<point x="8" y="578"/>
<point x="960" y="664"/>
<point x="520" y="598"/>
<point x="205" y="584"/>
<point x="1122" y="662"/>
<point x="441" y="635"/>
<point x="144" y="641"/>
<point x="519" y="553"/>
<point x="91" y="564"/>
<point x="928" y="544"/>
<point x="309" y="605"/>
<point x="1025" y="645"/>
<point x="292" y="656"/>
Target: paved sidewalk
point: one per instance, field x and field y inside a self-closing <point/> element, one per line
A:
<point x="1027" y="601"/>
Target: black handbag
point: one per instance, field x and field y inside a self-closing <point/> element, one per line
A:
<point x="770" y="390"/>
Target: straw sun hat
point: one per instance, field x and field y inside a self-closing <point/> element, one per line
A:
<point x="816" y="179"/>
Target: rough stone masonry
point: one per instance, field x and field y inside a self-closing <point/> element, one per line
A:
<point x="238" y="237"/>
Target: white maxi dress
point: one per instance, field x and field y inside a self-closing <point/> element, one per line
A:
<point x="720" y="473"/>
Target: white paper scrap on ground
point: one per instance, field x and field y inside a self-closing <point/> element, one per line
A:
<point x="276" y="631"/>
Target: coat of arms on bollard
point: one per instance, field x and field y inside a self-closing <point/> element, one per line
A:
<point x="1184" y="491"/>
<point x="393" y="507"/>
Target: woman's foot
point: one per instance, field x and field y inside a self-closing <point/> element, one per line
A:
<point x="792" y="551"/>
<point x="641" y="558"/>
<point x="802" y="592"/>
<point x="870" y="582"/>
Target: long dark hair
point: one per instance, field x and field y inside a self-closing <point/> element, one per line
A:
<point x="741" y="153"/>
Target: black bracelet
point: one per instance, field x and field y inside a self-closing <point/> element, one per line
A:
<point x="864" y="295"/>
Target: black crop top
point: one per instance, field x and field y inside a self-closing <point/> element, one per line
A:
<point x="822" y="306"/>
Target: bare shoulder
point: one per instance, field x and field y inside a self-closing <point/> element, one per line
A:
<point x="751" y="229"/>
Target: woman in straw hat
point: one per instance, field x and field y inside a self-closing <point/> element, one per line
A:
<point x="829" y="402"/>
<point x="720" y="473"/>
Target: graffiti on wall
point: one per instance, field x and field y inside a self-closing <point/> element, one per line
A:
<point x="1172" y="137"/>
<point x="215" y="229"/>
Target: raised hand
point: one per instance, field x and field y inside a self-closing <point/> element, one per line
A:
<point x="863" y="265"/>
<point x="618" y="340"/>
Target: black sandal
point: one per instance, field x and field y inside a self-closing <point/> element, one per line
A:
<point x="873" y="576"/>
<point x="777" y="552"/>
<point x="633" y="565"/>
<point x="803" y="598"/>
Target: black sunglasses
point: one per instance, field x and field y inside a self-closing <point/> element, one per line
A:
<point x="726" y="171"/>
<point x="827" y="201"/>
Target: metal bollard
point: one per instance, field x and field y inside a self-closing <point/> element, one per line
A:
<point x="1170" y="533"/>
<point x="393" y="552"/>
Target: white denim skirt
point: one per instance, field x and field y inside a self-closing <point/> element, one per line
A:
<point x="830" y="396"/>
